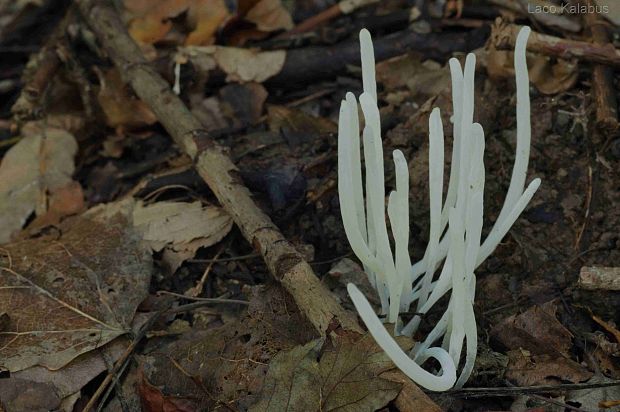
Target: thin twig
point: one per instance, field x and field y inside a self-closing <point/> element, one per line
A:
<point x="228" y="259"/>
<point x="517" y="390"/>
<point x="207" y="300"/>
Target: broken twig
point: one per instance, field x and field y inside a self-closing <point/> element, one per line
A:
<point x="603" y="79"/>
<point x="503" y="37"/>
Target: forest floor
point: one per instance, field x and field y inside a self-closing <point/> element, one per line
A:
<point x="187" y="253"/>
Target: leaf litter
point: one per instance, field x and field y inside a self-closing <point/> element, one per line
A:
<point x="69" y="294"/>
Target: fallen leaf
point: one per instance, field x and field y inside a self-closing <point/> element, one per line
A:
<point x="247" y="65"/>
<point x="240" y="64"/>
<point x="120" y="107"/>
<point x="206" y="16"/>
<point x="152" y="398"/>
<point x="227" y="362"/>
<point x="536" y="330"/>
<point x="526" y="369"/>
<point x="151" y="21"/>
<point x="410" y="397"/>
<point x="31" y="170"/>
<point x="209" y="112"/>
<point x="66" y="295"/>
<point x="424" y="78"/>
<point x="319" y="376"/>
<point x="23" y="395"/>
<point x="151" y="18"/>
<point x="297" y="126"/>
<point x="176" y="228"/>
<point x="550" y="76"/>
<point x="270" y="15"/>
<point x="79" y="372"/>
<point x="243" y="103"/>
<point x="65" y="201"/>
<point x="348" y="271"/>
<point x="179" y="227"/>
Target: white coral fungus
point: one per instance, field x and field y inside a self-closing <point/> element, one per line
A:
<point x="454" y="244"/>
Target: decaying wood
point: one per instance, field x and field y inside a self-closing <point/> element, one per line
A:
<point x="311" y="63"/>
<point x="603" y="79"/>
<point x="214" y="165"/>
<point x="603" y="278"/>
<point x="504" y="35"/>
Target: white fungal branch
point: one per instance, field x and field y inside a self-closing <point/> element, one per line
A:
<point x="455" y="243"/>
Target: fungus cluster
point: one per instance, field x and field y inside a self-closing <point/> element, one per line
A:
<point x="455" y="247"/>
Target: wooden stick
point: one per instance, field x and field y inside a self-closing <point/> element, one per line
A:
<point x="503" y="37"/>
<point x="599" y="278"/>
<point x="311" y="63"/>
<point x="214" y="165"/>
<point x="602" y="79"/>
<point x="41" y="69"/>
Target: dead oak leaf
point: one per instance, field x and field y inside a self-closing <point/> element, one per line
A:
<point x="321" y="376"/>
<point x="151" y="19"/>
<point x="36" y="166"/>
<point x="206" y="16"/>
<point x="527" y="369"/>
<point x="246" y="65"/>
<point x="270" y="15"/>
<point x="120" y="107"/>
<point x="227" y="362"/>
<point x="178" y="229"/>
<point x="536" y="330"/>
<point x="70" y="294"/>
<point x="240" y="65"/>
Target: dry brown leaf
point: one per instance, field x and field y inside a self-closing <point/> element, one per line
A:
<point x="66" y="295"/>
<point x="178" y="229"/>
<point x="37" y="166"/>
<point x="536" y="330"/>
<point x="283" y="119"/>
<point x="209" y="112"/>
<point x="228" y="361"/>
<point x="151" y="18"/>
<point x="120" y="107"/>
<point x="23" y="395"/>
<point x="65" y="201"/>
<point x="240" y="65"/>
<point x="74" y="376"/>
<point x="423" y="78"/>
<point x="243" y="103"/>
<point x="410" y="398"/>
<point x="323" y="376"/>
<point x="270" y="15"/>
<point x="206" y="16"/>
<point x="550" y="76"/>
<point x="246" y="65"/>
<point x="526" y="369"/>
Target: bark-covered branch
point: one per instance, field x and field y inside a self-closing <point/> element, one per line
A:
<point x="504" y="35"/>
